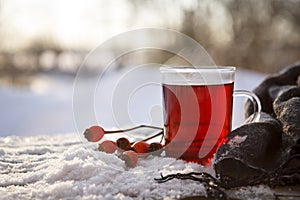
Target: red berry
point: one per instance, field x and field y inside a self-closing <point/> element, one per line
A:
<point x="130" y="157"/>
<point x="107" y="146"/>
<point x="94" y="133"/>
<point x="155" y="148"/>
<point x="123" y="143"/>
<point x="141" y="147"/>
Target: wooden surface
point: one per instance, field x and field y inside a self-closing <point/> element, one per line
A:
<point x="292" y="192"/>
<point x="280" y="193"/>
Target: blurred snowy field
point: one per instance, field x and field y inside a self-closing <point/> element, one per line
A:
<point x="45" y="106"/>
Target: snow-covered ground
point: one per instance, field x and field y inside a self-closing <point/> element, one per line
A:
<point x="59" y="167"/>
<point x="51" y="166"/>
<point x="45" y="106"/>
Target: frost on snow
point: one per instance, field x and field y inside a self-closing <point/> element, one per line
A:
<point x="60" y="166"/>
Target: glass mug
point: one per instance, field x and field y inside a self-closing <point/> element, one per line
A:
<point x="197" y="105"/>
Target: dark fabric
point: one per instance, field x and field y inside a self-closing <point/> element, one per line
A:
<point x="286" y="77"/>
<point x="266" y="151"/>
<point x="287" y="109"/>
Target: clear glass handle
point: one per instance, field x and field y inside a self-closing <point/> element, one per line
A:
<point x="255" y="101"/>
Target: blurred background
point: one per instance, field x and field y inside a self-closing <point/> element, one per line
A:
<point x="43" y="43"/>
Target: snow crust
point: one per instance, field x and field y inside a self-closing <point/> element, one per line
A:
<point x="61" y="167"/>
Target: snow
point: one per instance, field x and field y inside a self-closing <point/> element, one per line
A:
<point x="60" y="167"/>
<point x="237" y="140"/>
<point x="255" y="192"/>
<point x="64" y="166"/>
<point x="44" y="107"/>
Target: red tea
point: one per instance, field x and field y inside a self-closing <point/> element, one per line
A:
<point x="197" y="119"/>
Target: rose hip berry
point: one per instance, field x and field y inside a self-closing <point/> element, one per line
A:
<point x="155" y="148"/>
<point x="123" y="143"/>
<point x="94" y="133"/>
<point x="141" y="147"/>
<point x="130" y="157"/>
<point x="107" y="146"/>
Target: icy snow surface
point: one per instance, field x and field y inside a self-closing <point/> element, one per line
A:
<point x="59" y="166"/>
